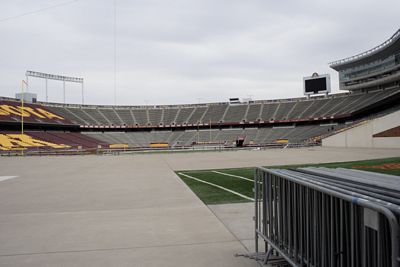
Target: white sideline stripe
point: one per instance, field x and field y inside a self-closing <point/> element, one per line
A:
<point x="217" y="186"/>
<point x="3" y="178"/>
<point x="236" y="176"/>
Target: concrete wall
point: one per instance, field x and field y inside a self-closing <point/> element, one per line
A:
<point x="362" y="135"/>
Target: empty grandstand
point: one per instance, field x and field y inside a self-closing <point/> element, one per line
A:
<point x="260" y="112"/>
<point x="372" y="79"/>
<point x="40" y="141"/>
<point x="261" y="123"/>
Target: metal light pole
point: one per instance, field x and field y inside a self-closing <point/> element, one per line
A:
<point x="22" y="110"/>
<point x="48" y="76"/>
<point x="115" y="51"/>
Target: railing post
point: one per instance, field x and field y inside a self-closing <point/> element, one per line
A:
<point x="256" y="173"/>
<point x="313" y="223"/>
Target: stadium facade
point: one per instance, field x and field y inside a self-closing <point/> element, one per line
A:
<point x="378" y="67"/>
<point x="371" y="78"/>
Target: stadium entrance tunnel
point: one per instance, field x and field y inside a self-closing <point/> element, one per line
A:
<point x="240" y="142"/>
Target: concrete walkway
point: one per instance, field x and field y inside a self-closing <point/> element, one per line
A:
<point x="106" y="211"/>
<point x="125" y="210"/>
<point x="238" y="219"/>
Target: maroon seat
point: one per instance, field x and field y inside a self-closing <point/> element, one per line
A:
<point x="74" y="140"/>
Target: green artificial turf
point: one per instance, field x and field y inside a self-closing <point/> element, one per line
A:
<point x="359" y="165"/>
<point x="212" y="195"/>
<point x="238" y="185"/>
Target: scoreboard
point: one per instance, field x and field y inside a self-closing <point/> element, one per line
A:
<point x="317" y="84"/>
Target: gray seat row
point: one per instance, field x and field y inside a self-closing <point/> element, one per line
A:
<point x="214" y="113"/>
<point x="225" y="136"/>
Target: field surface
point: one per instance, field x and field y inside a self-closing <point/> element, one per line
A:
<point x="133" y="210"/>
<point x="221" y="186"/>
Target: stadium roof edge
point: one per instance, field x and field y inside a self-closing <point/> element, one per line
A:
<point x="371" y="54"/>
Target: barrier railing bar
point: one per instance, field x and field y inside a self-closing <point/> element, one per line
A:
<point x="302" y="196"/>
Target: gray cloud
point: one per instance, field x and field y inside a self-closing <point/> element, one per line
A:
<point x="185" y="51"/>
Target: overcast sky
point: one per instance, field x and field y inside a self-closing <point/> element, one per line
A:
<point x="186" y="51"/>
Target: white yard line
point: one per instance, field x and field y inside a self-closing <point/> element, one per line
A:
<point x="217" y="186"/>
<point x="236" y="176"/>
<point x="3" y="178"/>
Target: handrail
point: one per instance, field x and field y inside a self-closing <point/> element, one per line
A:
<point x="274" y="188"/>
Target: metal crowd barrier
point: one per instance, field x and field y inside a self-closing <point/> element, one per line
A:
<point x="316" y="220"/>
